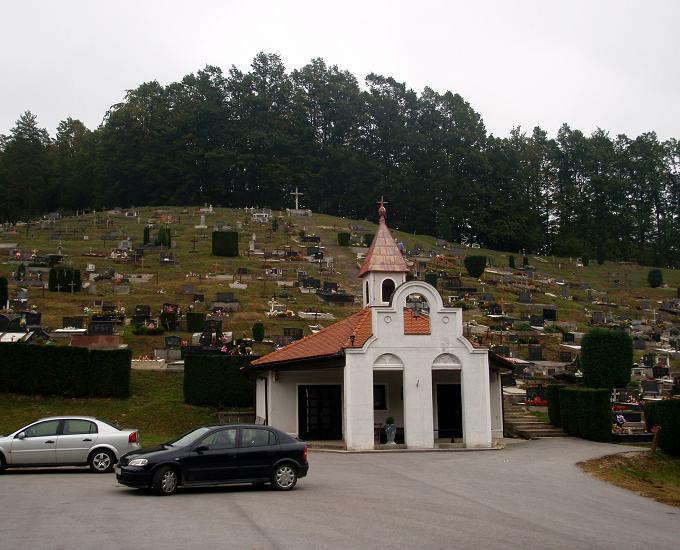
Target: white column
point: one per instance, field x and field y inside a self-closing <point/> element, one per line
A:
<point x="418" y="425"/>
<point x="496" y="404"/>
<point x="476" y="406"/>
<point x="358" y="404"/>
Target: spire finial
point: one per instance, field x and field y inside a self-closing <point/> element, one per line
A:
<point x="382" y="211"/>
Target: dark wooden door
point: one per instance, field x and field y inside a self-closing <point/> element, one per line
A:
<point x="449" y="410"/>
<point x="320" y="412"/>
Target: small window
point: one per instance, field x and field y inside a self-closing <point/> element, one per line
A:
<point x="75" y="427"/>
<point x="43" y="429"/>
<point x="379" y="397"/>
<point x="387" y="289"/>
<point x="254" y="437"/>
<point x="368" y="298"/>
<point x="221" y="439"/>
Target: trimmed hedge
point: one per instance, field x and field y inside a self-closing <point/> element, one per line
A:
<point x="511" y="262"/>
<point x="258" y="331"/>
<point x="606" y="358"/>
<point x="225" y="243"/>
<point x="553" y="397"/>
<point x="665" y="414"/>
<point x="64" y="370"/>
<point x="586" y="412"/>
<point x="217" y="381"/>
<point x="343" y="239"/>
<point x="4" y="292"/>
<point x="475" y="265"/>
<point x="195" y="321"/>
<point x="655" y="278"/>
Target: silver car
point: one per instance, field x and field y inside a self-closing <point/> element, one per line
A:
<point x="67" y="441"/>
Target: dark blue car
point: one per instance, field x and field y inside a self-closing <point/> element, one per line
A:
<point x="217" y="455"/>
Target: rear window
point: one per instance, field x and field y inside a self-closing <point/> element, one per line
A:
<point x="256" y="437"/>
<point x="76" y="426"/>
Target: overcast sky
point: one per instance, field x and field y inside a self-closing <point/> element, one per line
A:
<point x="609" y="64"/>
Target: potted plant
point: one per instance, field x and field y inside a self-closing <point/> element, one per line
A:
<point x="390" y="430"/>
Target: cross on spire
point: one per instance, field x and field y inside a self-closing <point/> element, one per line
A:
<point x="297" y="197"/>
<point x="382" y="210"/>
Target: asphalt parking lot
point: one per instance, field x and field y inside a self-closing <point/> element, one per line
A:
<point x="529" y="495"/>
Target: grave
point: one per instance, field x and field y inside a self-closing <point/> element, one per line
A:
<point x="197" y="298"/>
<point x="188" y="289"/>
<point x="566" y="357"/>
<point x="73" y="322"/>
<point x="568" y="337"/>
<point x="173" y="342"/>
<point x="100" y="328"/>
<point x="549" y="314"/>
<point x="598" y="318"/>
<point x="535" y="352"/>
<point x="121" y="290"/>
<point x="536" y="320"/>
<point x="293" y="332"/>
<point x="524" y="297"/>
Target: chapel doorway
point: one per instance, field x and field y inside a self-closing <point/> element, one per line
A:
<point x="320" y="412"/>
<point x="449" y="411"/>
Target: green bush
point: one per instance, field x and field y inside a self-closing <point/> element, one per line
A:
<point x="4" y="292"/>
<point x="217" y="381"/>
<point x="62" y="278"/>
<point x="431" y="278"/>
<point x="553" y="397"/>
<point x="655" y="278"/>
<point x="343" y="239"/>
<point x="225" y="243"/>
<point x="164" y="237"/>
<point x="586" y="412"/>
<point x="511" y="262"/>
<point x="368" y="238"/>
<point x="147" y="235"/>
<point x="666" y="415"/>
<point x="258" y="331"/>
<point x="64" y="370"/>
<point x="475" y="265"/>
<point x="52" y="280"/>
<point x="606" y="358"/>
<point x="525" y="261"/>
<point x="195" y="321"/>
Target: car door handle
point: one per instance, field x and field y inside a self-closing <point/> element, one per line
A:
<point x="50" y="441"/>
<point x="88" y="439"/>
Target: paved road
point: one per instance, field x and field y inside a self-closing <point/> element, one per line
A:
<point x="530" y="495"/>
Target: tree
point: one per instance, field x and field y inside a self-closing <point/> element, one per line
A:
<point x="258" y="331"/>
<point x="511" y="262"/>
<point x="606" y="358"/>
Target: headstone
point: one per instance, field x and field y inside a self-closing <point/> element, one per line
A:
<point x="225" y="297"/>
<point x="503" y="351"/>
<point x="487" y="297"/>
<point x="650" y="387"/>
<point x="100" y="328"/>
<point x="639" y="344"/>
<point x="649" y="360"/>
<point x="197" y="298"/>
<point x="524" y="297"/>
<point x="549" y="314"/>
<point x="495" y="309"/>
<point x="598" y="318"/>
<point x="295" y="333"/>
<point x="188" y="289"/>
<point x="173" y="342"/>
<point x="564" y="292"/>
<point x="72" y="322"/>
<point x="568" y="337"/>
<point x="660" y="372"/>
<point x="566" y="357"/>
<point x="535" y="352"/>
<point x="143" y="309"/>
<point x="121" y="290"/>
<point x="536" y="320"/>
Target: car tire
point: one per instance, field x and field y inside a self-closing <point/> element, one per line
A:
<point x="3" y="464"/>
<point x="101" y="461"/>
<point x="165" y="481"/>
<point x="284" y="477"/>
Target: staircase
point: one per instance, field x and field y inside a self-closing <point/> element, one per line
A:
<point x="518" y="422"/>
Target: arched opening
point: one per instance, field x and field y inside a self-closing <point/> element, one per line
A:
<point x="387" y="289"/>
<point x="368" y="298"/>
<point x="416" y="314"/>
<point x="388" y="397"/>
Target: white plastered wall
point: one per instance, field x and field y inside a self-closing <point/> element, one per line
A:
<point x="496" y="396"/>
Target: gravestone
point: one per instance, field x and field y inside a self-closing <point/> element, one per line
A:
<point x="121" y="290"/>
<point x="329" y="286"/>
<point x="649" y="360"/>
<point x="173" y="342"/>
<point x="453" y="282"/>
<point x="293" y="332"/>
<point x="568" y="337"/>
<point x="188" y="288"/>
<point x="549" y="314"/>
<point x="143" y="309"/>
<point x="660" y="372"/>
<point x="72" y="322"/>
<point x="650" y="387"/>
<point x="100" y="328"/>
<point x="524" y="297"/>
<point x="487" y="297"/>
<point x="566" y="357"/>
<point x="311" y="282"/>
<point x="503" y="351"/>
<point x="212" y="327"/>
<point x="225" y="297"/>
<point x="639" y="344"/>
<point x="535" y="352"/>
<point x="197" y="298"/>
<point x="495" y="309"/>
<point x="108" y="307"/>
<point x="32" y="318"/>
<point x="564" y="292"/>
<point x="645" y="304"/>
<point x="598" y="318"/>
<point x="92" y="289"/>
<point x="536" y="320"/>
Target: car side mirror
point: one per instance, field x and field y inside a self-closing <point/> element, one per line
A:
<point x="201" y="449"/>
<point x="21" y="435"/>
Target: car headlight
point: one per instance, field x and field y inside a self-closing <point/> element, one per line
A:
<point x="138" y="462"/>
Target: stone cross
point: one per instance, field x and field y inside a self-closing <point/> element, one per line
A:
<point x="72" y="284"/>
<point x="297" y="196"/>
<point x="58" y="287"/>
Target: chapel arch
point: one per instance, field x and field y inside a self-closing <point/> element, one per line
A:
<point x="416" y="314"/>
<point x="387" y="289"/>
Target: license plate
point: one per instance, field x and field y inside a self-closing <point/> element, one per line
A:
<point x="117" y="470"/>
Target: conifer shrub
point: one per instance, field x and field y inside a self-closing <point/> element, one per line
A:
<point x="4" y="292"/>
<point x="525" y="261"/>
<point x="606" y="358"/>
<point x="553" y="397"/>
<point x="343" y="239"/>
<point x="258" y="331"/>
<point x="475" y="265"/>
<point x="431" y="278"/>
<point x="511" y="262"/>
<point x="147" y="235"/>
<point x="225" y="243"/>
<point x="368" y="238"/>
<point x="655" y="278"/>
<point x="586" y="412"/>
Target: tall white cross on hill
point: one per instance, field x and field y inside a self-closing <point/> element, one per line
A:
<point x="297" y="196"/>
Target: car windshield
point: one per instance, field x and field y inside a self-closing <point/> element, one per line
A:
<point x="188" y="438"/>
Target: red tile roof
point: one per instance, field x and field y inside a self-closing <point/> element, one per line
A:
<point x="415" y="323"/>
<point x="384" y="254"/>
<point x="328" y="341"/>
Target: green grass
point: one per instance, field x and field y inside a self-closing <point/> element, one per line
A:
<point x="542" y="416"/>
<point x="156" y="408"/>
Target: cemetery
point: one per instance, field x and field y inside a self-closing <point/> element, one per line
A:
<point x="171" y="283"/>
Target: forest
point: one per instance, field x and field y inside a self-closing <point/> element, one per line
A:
<point x="248" y="138"/>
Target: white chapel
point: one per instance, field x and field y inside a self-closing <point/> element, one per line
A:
<point x="402" y="356"/>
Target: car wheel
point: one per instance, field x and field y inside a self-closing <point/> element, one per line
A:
<point x="101" y="461"/>
<point x="165" y="481"/>
<point x="284" y="477"/>
<point x="3" y="465"/>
